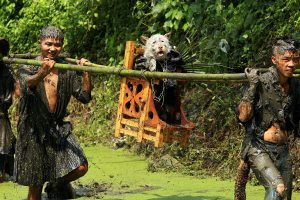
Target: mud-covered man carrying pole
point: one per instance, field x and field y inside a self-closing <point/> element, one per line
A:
<point x="271" y="109"/>
<point x="46" y="149"/>
<point x="7" y="138"/>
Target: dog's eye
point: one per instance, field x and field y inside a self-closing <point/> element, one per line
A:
<point x="153" y="42"/>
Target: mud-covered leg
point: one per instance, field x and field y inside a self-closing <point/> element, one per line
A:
<point x="267" y="174"/>
<point x="241" y="181"/>
<point x="62" y="188"/>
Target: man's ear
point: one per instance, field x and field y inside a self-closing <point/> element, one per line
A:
<point x="144" y="39"/>
<point x="274" y="60"/>
<point x="168" y="35"/>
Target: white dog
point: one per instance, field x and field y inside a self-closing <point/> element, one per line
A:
<point x="156" y="49"/>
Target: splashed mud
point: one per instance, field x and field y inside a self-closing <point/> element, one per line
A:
<point x="119" y="174"/>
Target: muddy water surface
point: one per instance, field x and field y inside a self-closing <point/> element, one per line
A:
<point x="119" y="174"/>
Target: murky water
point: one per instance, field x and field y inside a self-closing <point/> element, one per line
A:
<point x="119" y="174"/>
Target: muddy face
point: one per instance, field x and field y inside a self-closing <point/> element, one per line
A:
<point x="51" y="47"/>
<point x="286" y="63"/>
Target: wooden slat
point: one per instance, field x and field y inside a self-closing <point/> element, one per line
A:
<point x="143" y="115"/>
<point x="147" y="128"/>
<point x="149" y="137"/>
<point x="129" y="55"/>
<point x="128" y="132"/>
<point x="120" y="108"/>
<point x="159" y="136"/>
<point x="130" y="122"/>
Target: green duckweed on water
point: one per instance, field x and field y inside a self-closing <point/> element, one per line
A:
<point x="119" y="174"/>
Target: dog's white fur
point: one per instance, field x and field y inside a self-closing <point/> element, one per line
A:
<point x="156" y="49"/>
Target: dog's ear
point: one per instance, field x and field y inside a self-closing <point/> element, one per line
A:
<point x="144" y="39"/>
<point x="168" y="35"/>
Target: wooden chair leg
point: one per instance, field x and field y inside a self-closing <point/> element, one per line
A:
<point x="159" y="138"/>
<point x="185" y="139"/>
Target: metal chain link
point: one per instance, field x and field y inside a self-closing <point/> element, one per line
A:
<point x="161" y="96"/>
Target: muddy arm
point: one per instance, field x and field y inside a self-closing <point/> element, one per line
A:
<point x="82" y="89"/>
<point x="43" y="71"/>
<point x="246" y="106"/>
<point x="245" y="111"/>
<point x="87" y="83"/>
<point x="33" y="81"/>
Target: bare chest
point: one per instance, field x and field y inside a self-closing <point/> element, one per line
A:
<point x="50" y="84"/>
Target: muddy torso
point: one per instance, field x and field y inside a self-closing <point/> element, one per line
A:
<point x="46" y="149"/>
<point x="275" y="134"/>
<point x="274" y="112"/>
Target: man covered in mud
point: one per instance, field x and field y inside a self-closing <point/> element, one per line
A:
<point x="7" y="138"/>
<point x="270" y="108"/>
<point x="46" y="149"/>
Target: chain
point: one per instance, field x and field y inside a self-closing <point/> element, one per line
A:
<point x="143" y="74"/>
<point x="161" y="96"/>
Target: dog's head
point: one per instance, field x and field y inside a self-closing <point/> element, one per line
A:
<point x="157" y="46"/>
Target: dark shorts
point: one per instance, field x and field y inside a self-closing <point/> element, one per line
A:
<point x="38" y="163"/>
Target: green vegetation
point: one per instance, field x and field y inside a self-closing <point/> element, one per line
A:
<point x="98" y="30"/>
<point x="119" y="174"/>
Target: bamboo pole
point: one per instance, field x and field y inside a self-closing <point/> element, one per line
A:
<point x="69" y="60"/>
<point x="102" y="69"/>
<point x="24" y="55"/>
<point x="188" y="68"/>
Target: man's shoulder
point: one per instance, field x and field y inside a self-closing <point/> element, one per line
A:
<point x="269" y="76"/>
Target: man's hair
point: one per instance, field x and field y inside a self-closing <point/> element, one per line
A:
<point x="283" y="44"/>
<point x="51" y="32"/>
<point x="4" y="46"/>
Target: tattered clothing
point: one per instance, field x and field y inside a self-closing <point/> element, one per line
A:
<point x="46" y="148"/>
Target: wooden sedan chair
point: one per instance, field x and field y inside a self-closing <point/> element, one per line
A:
<point x="137" y="115"/>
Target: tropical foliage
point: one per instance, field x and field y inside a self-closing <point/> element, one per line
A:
<point x="233" y="33"/>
